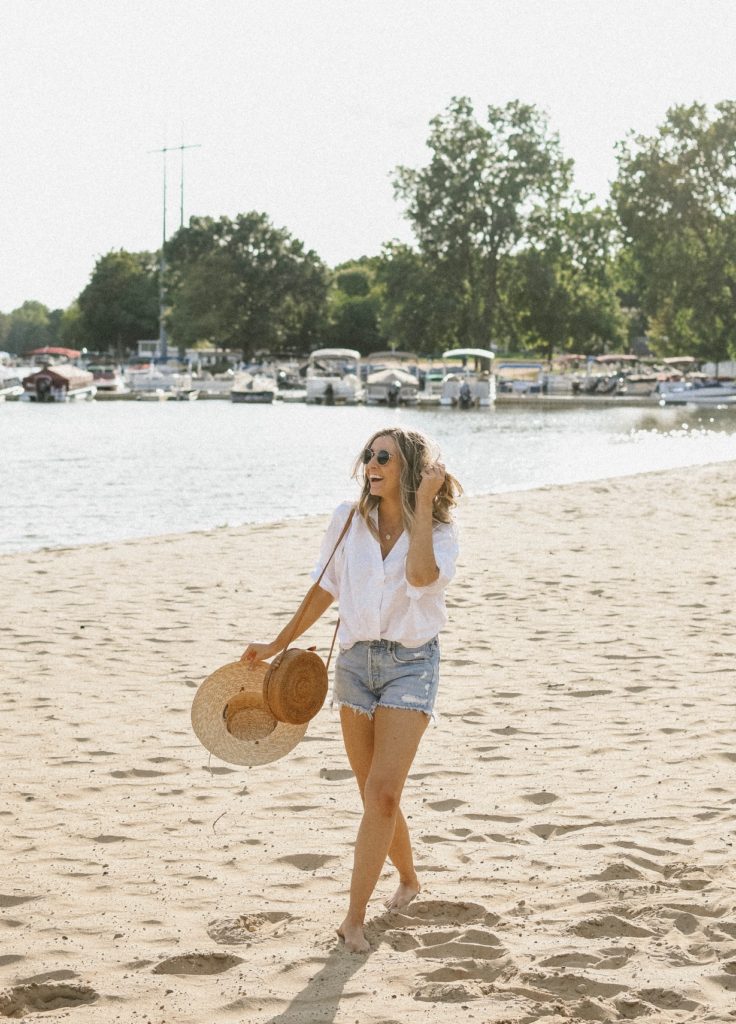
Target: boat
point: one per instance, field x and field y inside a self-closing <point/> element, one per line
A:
<point x="391" y="386"/>
<point x="466" y="388"/>
<point x="108" y="378"/>
<point x="697" y="393"/>
<point x="11" y="381"/>
<point x="59" y="383"/>
<point x="520" y="377"/>
<point x="152" y="382"/>
<point x="332" y="377"/>
<point x="253" y="388"/>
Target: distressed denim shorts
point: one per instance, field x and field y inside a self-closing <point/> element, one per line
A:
<point x="383" y="673"/>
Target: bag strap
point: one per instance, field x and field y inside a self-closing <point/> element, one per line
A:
<point x="314" y="586"/>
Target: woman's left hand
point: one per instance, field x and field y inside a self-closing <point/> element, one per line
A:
<point x="433" y="477"/>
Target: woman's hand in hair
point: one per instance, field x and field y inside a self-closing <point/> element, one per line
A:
<point x="432" y="479"/>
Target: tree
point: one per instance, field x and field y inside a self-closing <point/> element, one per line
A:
<point x="419" y="311"/>
<point x="565" y="294"/>
<point x="675" y="195"/>
<point x="29" y="327"/>
<point x="354" y="307"/>
<point x="489" y="189"/>
<point x="120" y="305"/>
<point x="244" y="284"/>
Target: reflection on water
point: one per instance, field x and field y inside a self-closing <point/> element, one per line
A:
<point x="93" y="471"/>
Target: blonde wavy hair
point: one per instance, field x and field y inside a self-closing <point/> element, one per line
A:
<point x="416" y="453"/>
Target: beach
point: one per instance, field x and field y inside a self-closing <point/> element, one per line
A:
<point x="573" y="810"/>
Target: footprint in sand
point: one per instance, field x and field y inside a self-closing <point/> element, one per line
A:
<point x="15" y="901"/>
<point x="335" y="774"/>
<point x="198" y="963"/>
<point x="541" y="799"/>
<point x="608" y="926"/>
<point x="307" y="861"/>
<point x="473" y="943"/>
<point x="446" y="805"/>
<point x="23" y="999"/>
<point x="449" y="991"/>
<point x="247" y="928"/>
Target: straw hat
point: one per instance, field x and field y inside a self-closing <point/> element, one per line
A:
<point x="230" y="719"/>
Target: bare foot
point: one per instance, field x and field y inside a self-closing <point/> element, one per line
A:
<point x="403" y="896"/>
<point x="353" y="937"/>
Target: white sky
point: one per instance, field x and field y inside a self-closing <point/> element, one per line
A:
<point x="303" y="108"/>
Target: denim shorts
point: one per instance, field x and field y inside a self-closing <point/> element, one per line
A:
<point x="383" y="673"/>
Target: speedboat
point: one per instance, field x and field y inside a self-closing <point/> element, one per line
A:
<point x="697" y="393"/>
<point x="253" y="388"/>
<point x="108" y="378"/>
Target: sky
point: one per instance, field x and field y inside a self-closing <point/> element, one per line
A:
<point x="302" y="109"/>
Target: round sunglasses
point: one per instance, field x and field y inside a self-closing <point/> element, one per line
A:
<point x="382" y="456"/>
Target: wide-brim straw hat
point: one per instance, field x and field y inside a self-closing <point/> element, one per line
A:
<point x="230" y="719"/>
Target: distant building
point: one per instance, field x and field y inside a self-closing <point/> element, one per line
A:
<point x="200" y="358"/>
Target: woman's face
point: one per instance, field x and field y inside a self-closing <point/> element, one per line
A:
<point x="384" y="480"/>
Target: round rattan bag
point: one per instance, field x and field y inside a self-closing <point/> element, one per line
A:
<point x="295" y="686"/>
<point x="231" y="720"/>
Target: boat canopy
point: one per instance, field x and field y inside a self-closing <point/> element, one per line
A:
<point x="335" y="353"/>
<point x="393" y="375"/>
<point x="401" y="357"/>
<point x="52" y="350"/>
<point x="469" y="353"/>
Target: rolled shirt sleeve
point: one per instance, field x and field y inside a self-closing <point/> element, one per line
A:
<point x="446" y="549"/>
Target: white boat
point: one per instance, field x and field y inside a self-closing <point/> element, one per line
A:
<point x="159" y="383"/>
<point x="520" y="377"/>
<point x="333" y="377"/>
<point x="108" y="378"/>
<point x="697" y="393"/>
<point x="61" y="383"/>
<point x="391" y="386"/>
<point x="253" y="388"/>
<point x="11" y="381"/>
<point x="466" y="388"/>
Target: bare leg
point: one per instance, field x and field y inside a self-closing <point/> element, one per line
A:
<point x="396" y="736"/>
<point x="358" y="737"/>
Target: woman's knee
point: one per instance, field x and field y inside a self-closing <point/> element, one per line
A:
<point x="382" y="796"/>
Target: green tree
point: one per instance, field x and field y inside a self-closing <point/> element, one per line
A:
<point x="29" y="327"/>
<point x="354" y="307"/>
<point x="491" y="188"/>
<point x="565" y="294"/>
<point x="120" y="305"/>
<point x="675" y="195"/>
<point x="419" y="309"/>
<point x="244" y="284"/>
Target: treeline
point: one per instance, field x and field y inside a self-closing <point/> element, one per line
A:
<point x="507" y="255"/>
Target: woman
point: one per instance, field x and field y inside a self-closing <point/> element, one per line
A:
<point x="389" y="576"/>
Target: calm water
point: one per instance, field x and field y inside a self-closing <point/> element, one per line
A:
<point x="80" y="473"/>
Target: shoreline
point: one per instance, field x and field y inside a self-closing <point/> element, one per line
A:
<point x="316" y="517"/>
<point x="572" y="812"/>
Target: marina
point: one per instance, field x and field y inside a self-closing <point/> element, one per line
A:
<point x="92" y="472"/>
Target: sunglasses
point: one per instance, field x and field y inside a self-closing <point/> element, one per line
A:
<point x="382" y="456"/>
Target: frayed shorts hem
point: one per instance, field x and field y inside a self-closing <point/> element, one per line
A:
<point x="370" y="713"/>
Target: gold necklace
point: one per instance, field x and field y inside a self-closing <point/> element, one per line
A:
<point x="387" y="536"/>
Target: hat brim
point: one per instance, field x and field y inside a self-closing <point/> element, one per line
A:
<point x="260" y="738"/>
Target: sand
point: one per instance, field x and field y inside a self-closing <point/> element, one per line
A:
<point x="573" y="811"/>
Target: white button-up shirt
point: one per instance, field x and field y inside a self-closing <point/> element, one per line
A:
<point x="375" y="599"/>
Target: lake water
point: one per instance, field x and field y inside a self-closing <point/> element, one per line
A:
<point x="100" y="471"/>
